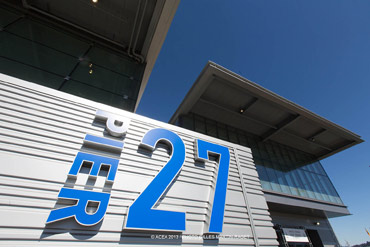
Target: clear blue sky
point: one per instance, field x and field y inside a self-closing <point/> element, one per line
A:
<point x="315" y="53"/>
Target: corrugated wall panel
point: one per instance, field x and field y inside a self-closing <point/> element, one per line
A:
<point x="41" y="132"/>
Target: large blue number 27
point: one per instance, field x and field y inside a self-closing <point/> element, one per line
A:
<point x="141" y="214"/>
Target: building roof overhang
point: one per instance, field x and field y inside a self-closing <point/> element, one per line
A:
<point x="136" y="28"/>
<point x="226" y="97"/>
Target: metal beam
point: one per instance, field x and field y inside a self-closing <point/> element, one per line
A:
<point x="307" y="141"/>
<point x="247" y="106"/>
<point x="312" y="138"/>
<point x="280" y="126"/>
<point x="246" y="115"/>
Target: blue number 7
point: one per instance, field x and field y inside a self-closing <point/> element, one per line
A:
<point x="203" y="149"/>
<point x="140" y="214"/>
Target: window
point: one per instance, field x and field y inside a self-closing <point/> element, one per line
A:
<point x="46" y="54"/>
<point x="282" y="169"/>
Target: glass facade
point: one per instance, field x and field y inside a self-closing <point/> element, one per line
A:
<point x="281" y="168"/>
<point x="43" y="53"/>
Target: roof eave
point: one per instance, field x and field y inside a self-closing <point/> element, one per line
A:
<point x="212" y="70"/>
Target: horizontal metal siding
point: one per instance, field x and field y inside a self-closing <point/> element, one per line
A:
<point x="42" y="130"/>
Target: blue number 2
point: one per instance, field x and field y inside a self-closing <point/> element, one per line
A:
<point x="140" y="214"/>
<point x="203" y="149"/>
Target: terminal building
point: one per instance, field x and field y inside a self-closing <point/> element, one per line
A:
<point x="71" y="76"/>
<point x="287" y="142"/>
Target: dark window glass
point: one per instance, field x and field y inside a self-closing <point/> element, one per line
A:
<point x="200" y="125"/>
<point x="242" y="139"/>
<point x="211" y="128"/>
<point x="222" y="132"/>
<point x="187" y="122"/>
<point x="233" y="137"/>
<point x="7" y="17"/>
<point x="53" y="56"/>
